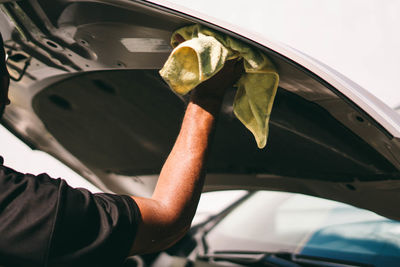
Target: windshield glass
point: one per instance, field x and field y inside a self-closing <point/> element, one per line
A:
<point x="309" y="226"/>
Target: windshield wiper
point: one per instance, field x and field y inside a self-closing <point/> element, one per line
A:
<point x="250" y="258"/>
<point x="282" y="259"/>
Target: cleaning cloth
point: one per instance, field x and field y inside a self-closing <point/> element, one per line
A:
<point x="203" y="53"/>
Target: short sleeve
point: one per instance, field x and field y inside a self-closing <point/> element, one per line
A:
<point x="28" y="209"/>
<point x="45" y="222"/>
<point x="93" y="229"/>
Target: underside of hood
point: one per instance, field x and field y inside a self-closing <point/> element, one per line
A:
<point x="125" y="122"/>
<point x="92" y="97"/>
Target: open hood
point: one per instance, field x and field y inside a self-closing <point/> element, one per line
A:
<point x="89" y="93"/>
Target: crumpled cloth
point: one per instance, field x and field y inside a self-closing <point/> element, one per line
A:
<point x="203" y="53"/>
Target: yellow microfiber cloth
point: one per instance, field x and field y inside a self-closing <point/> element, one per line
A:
<point x="203" y="53"/>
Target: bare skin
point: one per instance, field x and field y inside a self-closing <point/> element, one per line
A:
<point x="167" y="215"/>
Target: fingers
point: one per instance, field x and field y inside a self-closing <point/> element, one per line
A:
<point x="238" y="70"/>
<point x="232" y="70"/>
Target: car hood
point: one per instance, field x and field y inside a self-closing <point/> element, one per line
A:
<point x="90" y="94"/>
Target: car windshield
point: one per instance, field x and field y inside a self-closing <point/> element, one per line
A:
<point x="308" y="226"/>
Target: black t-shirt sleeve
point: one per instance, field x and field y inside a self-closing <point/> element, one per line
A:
<point x="28" y="210"/>
<point x="93" y="229"/>
<point x="43" y="221"/>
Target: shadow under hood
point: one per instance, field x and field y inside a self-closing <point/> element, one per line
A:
<point x="126" y="121"/>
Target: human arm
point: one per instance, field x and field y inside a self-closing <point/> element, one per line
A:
<point x="167" y="215"/>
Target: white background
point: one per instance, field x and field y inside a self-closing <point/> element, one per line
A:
<point x="358" y="38"/>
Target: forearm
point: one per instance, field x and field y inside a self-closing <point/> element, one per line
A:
<point x="182" y="176"/>
<point x="174" y="201"/>
<point x="168" y="214"/>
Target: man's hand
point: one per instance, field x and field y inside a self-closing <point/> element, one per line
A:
<point x="168" y="214"/>
<point x="224" y="79"/>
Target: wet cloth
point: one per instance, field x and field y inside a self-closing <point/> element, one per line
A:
<point x="203" y="53"/>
